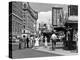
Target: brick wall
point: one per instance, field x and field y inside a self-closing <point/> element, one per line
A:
<point x="17" y="18"/>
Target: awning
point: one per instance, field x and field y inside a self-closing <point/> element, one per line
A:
<point x="60" y="28"/>
<point x="71" y="21"/>
<point x="73" y="18"/>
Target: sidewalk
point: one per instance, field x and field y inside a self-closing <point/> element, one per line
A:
<point x="56" y="51"/>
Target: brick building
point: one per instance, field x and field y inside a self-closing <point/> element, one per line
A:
<point x="22" y="18"/>
<point x="15" y="18"/>
<point x="30" y="17"/>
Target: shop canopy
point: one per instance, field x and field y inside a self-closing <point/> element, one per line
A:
<point x="72" y="21"/>
<point x="73" y="18"/>
<point x="60" y="28"/>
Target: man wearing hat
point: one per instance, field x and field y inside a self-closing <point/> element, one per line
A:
<point x="53" y="39"/>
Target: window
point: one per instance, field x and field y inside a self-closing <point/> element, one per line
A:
<point x="73" y="10"/>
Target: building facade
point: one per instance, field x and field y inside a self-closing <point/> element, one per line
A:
<point x="71" y="24"/>
<point x="72" y="21"/>
<point x="16" y="18"/>
<point x="22" y="18"/>
<point x="30" y="17"/>
<point x="72" y="10"/>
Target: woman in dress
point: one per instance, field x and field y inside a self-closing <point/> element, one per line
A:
<point x="36" y="42"/>
<point x="31" y="38"/>
<point x="46" y="42"/>
<point x="41" y="40"/>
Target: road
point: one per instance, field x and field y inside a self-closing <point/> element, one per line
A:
<point x="30" y="53"/>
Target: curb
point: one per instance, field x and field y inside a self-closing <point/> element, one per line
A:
<point x="57" y="52"/>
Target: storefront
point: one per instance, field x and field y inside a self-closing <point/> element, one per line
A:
<point x="71" y="33"/>
<point x="60" y="31"/>
<point x="47" y="34"/>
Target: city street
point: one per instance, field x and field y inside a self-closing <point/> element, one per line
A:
<point x="53" y="30"/>
<point x="29" y="53"/>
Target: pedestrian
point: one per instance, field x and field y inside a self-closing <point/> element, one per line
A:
<point x="31" y="41"/>
<point x="24" y="40"/>
<point x="36" y="42"/>
<point x="53" y="39"/>
<point x="76" y="41"/>
<point x="20" y="41"/>
<point x="41" y="40"/>
<point x="27" y="41"/>
<point x="46" y="42"/>
<point x="63" y="40"/>
<point x="69" y="41"/>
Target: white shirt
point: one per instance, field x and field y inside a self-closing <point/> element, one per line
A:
<point x="53" y="36"/>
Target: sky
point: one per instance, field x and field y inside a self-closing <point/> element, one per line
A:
<point x="44" y="7"/>
<point x="45" y="11"/>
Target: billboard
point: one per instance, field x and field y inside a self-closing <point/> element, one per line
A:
<point x="57" y="14"/>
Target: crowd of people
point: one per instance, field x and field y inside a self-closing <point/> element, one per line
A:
<point x="32" y="41"/>
<point x="37" y="41"/>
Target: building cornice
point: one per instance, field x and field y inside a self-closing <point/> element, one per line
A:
<point x="33" y="13"/>
<point x="16" y="16"/>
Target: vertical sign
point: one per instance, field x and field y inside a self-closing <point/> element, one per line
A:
<point x="54" y="22"/>
<point x="56" y="16"/>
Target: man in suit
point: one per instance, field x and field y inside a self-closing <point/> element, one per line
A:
<point x="27" y="41"/>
